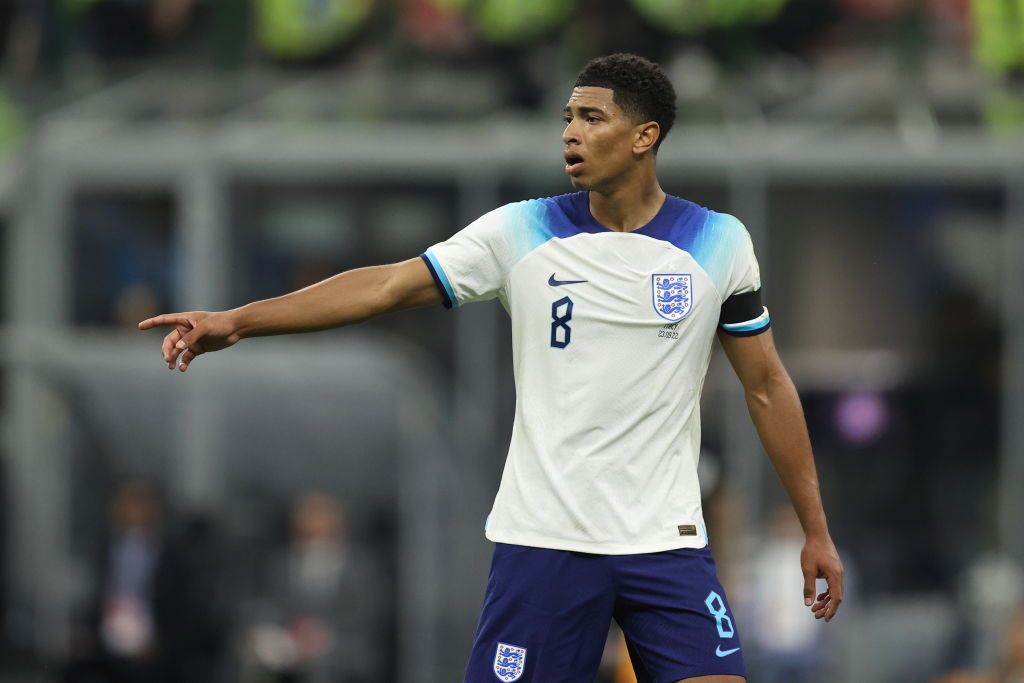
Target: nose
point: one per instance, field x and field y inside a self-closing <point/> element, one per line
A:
<point x="571" y="133"/>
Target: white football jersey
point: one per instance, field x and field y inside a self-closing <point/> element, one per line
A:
<point x="611" y="338"/>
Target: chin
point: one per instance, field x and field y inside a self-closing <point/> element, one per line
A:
<point x="579" y="183"/>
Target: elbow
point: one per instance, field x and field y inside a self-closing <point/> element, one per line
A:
<point x="759" y="398"/>
<point x="761" y="393"/>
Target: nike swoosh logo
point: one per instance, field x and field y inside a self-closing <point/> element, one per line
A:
<point x="558" y="283"/>
<point x="725" y="653"/>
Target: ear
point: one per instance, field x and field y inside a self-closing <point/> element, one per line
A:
<point x="646" y="135"/>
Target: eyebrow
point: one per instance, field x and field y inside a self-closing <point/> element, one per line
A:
<point x="583" y="110"/>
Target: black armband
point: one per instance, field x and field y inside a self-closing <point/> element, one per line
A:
<point x="744" y="315"/>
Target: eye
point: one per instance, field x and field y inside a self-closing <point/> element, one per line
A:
<point x="592" y="119"/>
<point x="567" y="119"/>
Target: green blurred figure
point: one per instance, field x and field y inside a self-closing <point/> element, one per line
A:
<point x="301" y="30"/>
<point x="999" y="49"/>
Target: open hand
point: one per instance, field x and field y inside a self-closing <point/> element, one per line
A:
<point x="819" y="560"/>
<point x="194" y="333"/>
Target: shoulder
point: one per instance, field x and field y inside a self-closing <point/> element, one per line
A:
<point x="567" y="203"/>
<point x="564" y="209"/>
<point x="680" y="222"/>
<point x="723" y="232"/>
<point x="542" y="218"/>
<point x="527" y="210"/>
<point x="725" y="225"/>
<point x="725" y="221"/>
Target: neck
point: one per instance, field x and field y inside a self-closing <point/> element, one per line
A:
<point x="629" y="205"/>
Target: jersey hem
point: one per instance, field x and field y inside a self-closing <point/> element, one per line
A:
<point x="591" y="548"/>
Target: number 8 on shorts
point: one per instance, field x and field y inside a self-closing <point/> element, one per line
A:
<point x="716" y="606"/>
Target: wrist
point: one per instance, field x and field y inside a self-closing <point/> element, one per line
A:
<point x="817" y="535"/>
<point x="814" y="526"/>
<point x="239" y="322"/>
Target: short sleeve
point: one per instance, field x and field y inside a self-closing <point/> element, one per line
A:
<point x="474" y="264"/>
<point x="743" y="312"/>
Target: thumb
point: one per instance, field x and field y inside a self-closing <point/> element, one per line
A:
<point x="190" y="340"/>
<point x="809" y="584"/>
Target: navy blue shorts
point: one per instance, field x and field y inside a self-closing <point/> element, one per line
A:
<point x="547" y="612"/>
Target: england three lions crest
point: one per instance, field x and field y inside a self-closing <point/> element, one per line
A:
<point x="509" y="662"/>
<point x="672" y="294"/>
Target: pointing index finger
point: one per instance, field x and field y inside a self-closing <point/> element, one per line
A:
<point x="165" y="319"/>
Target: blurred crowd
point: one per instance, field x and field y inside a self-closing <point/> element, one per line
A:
<point x="46" y="33"/>
<point x="54" y="50"/>
<point x="169" y="602"/>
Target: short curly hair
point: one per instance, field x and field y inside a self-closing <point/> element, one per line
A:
<point x="638" y="85"/>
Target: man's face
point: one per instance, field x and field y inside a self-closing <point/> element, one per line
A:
<point x="599" y="138"/>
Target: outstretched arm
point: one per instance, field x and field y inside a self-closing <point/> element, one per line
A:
<point x="346" y="298"/>
<point x="775" y="409"/>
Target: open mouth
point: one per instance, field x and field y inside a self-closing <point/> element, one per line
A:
<point x="573" y="162"/>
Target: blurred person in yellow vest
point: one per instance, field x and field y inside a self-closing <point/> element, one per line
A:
<point x="303" y="30"/>
<point x="508" y="22"/>
<point x="694" y="16"/>
<point x="999" y="34"/>
<point x="12" y="121"/>
<point x="998" y="27"/>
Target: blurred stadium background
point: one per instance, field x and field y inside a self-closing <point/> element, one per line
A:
<point x="311" y="508"/>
